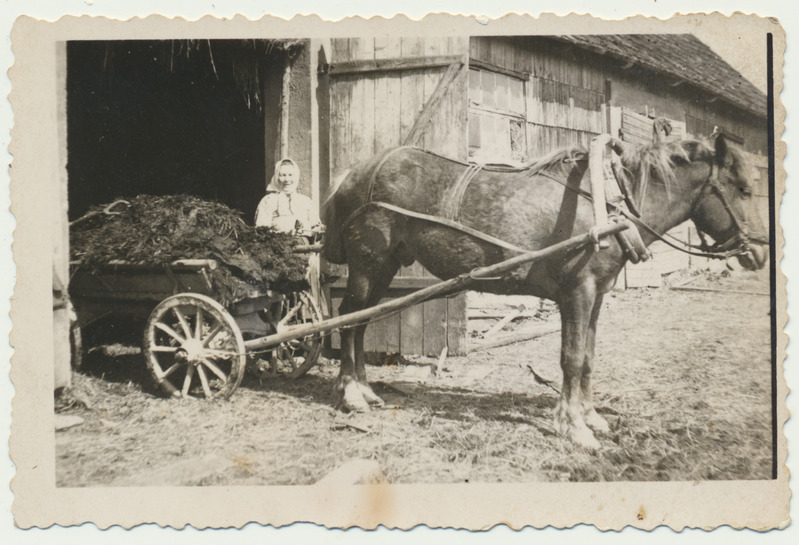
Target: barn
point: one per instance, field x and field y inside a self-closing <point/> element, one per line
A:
<point x="210" y="118"/>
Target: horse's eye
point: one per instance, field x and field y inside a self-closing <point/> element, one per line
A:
<point x="746" y="193"/>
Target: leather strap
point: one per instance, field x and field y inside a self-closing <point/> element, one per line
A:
<point x="435" y="219"/>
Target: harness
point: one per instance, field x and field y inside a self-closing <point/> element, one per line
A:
<point x="736" y="245"/>
<point x="450" y="205"/>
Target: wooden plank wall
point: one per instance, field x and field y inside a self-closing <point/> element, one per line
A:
<point x="565" y="100"/>
<point x="565" y="97"/>
<point x="374" y="111"/>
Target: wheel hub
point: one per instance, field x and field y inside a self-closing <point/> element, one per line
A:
<point x="193" y="350"/>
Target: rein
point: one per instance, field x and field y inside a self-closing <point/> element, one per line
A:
<point x="740" y="242"/>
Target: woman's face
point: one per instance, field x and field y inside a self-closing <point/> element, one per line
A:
<point x="287" y="178"/>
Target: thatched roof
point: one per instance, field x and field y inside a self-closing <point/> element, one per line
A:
<point x="239" y="59"/>
<point x="682" y="56"/>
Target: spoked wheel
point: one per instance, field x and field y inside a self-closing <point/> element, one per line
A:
<point x="194" y="347"/>
<point x="295" y="357"/>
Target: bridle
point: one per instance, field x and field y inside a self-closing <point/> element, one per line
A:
<point x="737" y="244"/>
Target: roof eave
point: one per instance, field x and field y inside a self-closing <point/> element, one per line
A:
<point x="626" y="60"/>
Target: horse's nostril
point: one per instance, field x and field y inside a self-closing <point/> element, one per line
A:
<point x="760" y="254"/>
<point x="754" y="258"/>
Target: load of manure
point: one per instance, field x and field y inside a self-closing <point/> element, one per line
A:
<point x="155" y="231"/>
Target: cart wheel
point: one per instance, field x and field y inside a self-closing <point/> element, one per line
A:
<point x="194" y="347"/>
<point x="295" y="357"/>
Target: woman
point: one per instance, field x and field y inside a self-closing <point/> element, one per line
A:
<point x="287" y="211"/>
<point x="283" y="208"/>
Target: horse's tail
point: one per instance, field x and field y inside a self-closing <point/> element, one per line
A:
<point x="333" y="249"/>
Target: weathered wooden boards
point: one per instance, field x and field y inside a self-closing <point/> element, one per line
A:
<point x="379" y="89"/>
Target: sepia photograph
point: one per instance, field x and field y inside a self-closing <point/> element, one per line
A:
<point x="199" y="172"/>
<point x="403" y="260"/>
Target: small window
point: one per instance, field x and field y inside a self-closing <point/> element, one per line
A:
<point x="475" y="91"/>
<point x="497" y="118"/>
<point x="475" y="128"/>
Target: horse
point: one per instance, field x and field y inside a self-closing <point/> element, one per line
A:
<point x="406" y="204"/>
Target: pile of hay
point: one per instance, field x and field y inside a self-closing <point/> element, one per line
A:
<point x="155" y="231"/>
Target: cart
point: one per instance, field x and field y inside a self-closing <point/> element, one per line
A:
<point x="193" y="345"/>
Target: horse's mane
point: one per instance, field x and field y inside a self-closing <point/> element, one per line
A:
<point x="642" y="162"/>
<point x="557" y="158"/>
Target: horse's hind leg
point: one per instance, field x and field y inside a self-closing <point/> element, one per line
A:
<point x="592" y="419"/>
<point x="366" y="285"/>
<point x="575" y="312"/>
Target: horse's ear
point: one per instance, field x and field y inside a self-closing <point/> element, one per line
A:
<point x="723" y="156"/>
<point x="617" y="145"/>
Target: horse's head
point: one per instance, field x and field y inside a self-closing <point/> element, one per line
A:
<point x="725" y="209"/>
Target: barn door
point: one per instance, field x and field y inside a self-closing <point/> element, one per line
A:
<point x="386" y="92"/>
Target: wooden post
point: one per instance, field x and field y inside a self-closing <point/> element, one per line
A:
<point x="600" y="148"/>
<point x="285" y="98"/>
<point x="60" y="230"/>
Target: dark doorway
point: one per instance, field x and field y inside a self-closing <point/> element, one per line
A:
<point x="169" y="117"/>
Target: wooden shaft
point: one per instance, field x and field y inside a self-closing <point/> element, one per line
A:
<point x="600" y="146"/>
<point x="459" y="283"/>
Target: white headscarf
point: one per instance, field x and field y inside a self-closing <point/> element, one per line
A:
<point x="273" y="182"/>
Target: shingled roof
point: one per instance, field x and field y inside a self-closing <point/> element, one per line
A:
<point x="682" y="56"/>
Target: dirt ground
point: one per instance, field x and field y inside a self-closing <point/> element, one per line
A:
<point x="682" y="375"/>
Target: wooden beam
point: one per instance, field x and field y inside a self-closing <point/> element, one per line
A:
<point x="496" y="328"/>
<point x="717" y="290"/>
<point x="518" y="74"/>
<point x="521" y="336"/>
<point x="432" y="104"/>
<point x="396" y="64"/>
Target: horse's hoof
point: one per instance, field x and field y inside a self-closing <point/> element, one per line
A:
<point x="583" y="437"/>
<point x="353" y="406"/>
<point x="596" y="422"/>
<point x="352" y="399"/>
<point x="572" y="427"/>
<point x="370" y="396"/>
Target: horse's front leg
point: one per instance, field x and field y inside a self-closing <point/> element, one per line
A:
<point x="575" y="314"/>
<point x="592" y="419"/>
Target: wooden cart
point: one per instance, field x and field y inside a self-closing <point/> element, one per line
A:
<point x="195" y="346"/>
